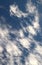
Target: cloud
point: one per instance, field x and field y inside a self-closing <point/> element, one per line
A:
<point x="31" y="30"/>
<point x="30" y="7"/>
<point x="33" y="60"/>
<point x="36" y="21"/>
<point x="14" y="10"/>
<point x="35" y="27"/>
<point x="25" y="42"/>
<point x="1" y="49"/>
<point x="4" y="32"/>
<point x="39" y="49"/>
<point x="21" y="33"/>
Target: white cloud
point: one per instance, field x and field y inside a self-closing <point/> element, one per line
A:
<point x="33" y="10"/>
<point x="3" y="32"/>
<point x="25" y="42"/>
<point x="35" y="22"/>
<point x="21" y="33"/>
<point x="39" y="49"/>
<point x="13" y="49"/>
<point x="33" y="60"/>
<point x="14" y="10"/>
<point x="30" y="7"/>
<point x="1" y="49"/>
<point x="36" y="25"/>
<point x="31" y="30"/>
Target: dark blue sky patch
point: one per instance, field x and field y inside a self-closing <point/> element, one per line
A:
<point x="21" y="4"/>
<point x="38" y="37"/>
<point x="26" y="33"/>
<point x="6" y="3"/>
<point x="12" y="36"/>
<point x="32" y="46"/>
<point x="40" y="8"/>
<point x="14" y="22"/>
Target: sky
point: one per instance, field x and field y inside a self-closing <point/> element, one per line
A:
<point x="20" y="32"/>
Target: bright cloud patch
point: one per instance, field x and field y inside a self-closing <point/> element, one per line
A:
<point x="14" y="10"/>
<point x="31" y="30"/>
<point x="33" y="60"/>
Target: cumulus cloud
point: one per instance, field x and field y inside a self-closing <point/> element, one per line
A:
<point x="31" y="30"/>
<point x="30" y="7"/>
<point x="14" y="10"/>
<point x="39" y="49"/>
<point x="33" y="60"/>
